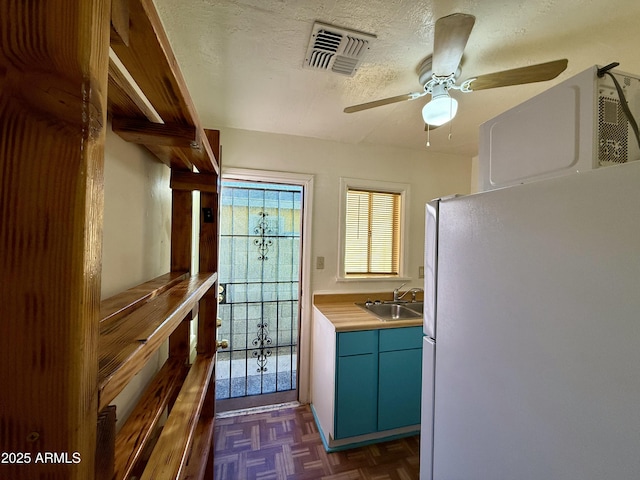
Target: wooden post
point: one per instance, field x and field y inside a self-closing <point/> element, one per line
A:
<point x="53" y="97"/>
<point x="209" y="261"/>
<point x="181" y="234"/>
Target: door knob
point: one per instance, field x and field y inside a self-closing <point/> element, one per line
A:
<point x="222" y="344"/>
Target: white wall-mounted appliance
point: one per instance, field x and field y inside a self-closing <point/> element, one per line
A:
<point x="575" y="126"/>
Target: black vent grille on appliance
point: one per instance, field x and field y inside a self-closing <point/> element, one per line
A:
<point x="613" y="131"/>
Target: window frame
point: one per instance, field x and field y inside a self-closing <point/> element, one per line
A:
<point x="403" y="189"/>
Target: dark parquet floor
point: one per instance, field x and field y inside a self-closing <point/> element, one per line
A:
<point x="285" y="445"/>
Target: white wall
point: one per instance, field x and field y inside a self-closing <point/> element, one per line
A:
<point x="137" y="233"/>
<point x="430" y="176"/>
<point x="137" y="216"/>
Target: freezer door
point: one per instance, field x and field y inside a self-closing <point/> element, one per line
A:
<point x="431" y="268"/>
<point x="426" y="425"/>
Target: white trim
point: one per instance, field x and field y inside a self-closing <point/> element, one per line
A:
<point x="393" y="187"/>
<point x="306" y="181"/>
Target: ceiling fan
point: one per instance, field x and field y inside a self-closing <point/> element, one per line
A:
<point x="438" y="73"/>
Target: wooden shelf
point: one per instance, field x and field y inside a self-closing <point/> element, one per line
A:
<point x="65" y="354"/>
<point x="170" y="454"/>
<point x="127" y="342"/>
<point x="124" y="303"/>
<point x="149" y="104"/>
<point x="134" y="435"/>
<point x="200" y="458"/>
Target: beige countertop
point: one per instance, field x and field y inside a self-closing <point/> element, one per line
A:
<point x="343" y="313"/>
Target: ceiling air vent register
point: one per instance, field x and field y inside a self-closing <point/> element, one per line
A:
<point x="336" y="49"/>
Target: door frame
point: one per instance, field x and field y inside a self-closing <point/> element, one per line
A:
<point x="306" y="182"/>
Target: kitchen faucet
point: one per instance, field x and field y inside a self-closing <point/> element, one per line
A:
<point x="413" y="291"/>
<point x="396" y="293"/>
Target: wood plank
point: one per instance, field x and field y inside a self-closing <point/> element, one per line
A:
<point x="209" y="231"/>
<point x="124" y="303"/>
<point x="120" y="21"/>
<point x="172" y="156"/>
<point x="201" y="451"/>
<point x="127" y="343"/>
<point x="203" y="156"/>
<point x="208" y="262"/>
<point x="214" y="140"/>
<point x="53" y="64"/>
<point x="207" y="321"/>
<point x="105" y="451"/>
<point x="151" y="62"/>
<point x="121" y="104"/>
<point x="139" y="428"/>
<point x="170" y="454"/>
<point x="181" y="243"/>
<point x="160" y="134"/>
<point x="180" y="339"/>
<point x="213" y="136"/>
<point x="126" y="98"/>
<point x="200" y="462"/>
<point x="181" y="229"/>
<point x="203" y="182"/>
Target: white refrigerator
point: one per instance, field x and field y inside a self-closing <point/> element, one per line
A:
<point x="532" y="313"/>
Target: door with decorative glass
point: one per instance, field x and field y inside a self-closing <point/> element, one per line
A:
<point x="259" y="278"/>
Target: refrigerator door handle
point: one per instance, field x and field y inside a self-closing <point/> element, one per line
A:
<point x="431" y="268"/>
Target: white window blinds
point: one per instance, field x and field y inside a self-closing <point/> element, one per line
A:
<point x="372" y="238"/>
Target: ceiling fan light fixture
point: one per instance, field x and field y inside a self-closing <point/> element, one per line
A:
<point x="441" y="109"/>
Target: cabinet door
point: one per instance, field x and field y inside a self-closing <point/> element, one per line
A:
<point x="356" y="395"/>
<point x="400" y="388"/>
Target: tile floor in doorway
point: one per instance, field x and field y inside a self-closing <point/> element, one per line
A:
<point x="240" y="377"/>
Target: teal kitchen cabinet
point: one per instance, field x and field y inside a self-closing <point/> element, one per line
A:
<point x="399" y="377"/>
<point x="357" y="383"/>
<point x="377" y="393"/>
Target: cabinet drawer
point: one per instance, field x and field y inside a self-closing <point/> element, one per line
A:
<point x="400" y="338"/>
<point x="357" y="343"/>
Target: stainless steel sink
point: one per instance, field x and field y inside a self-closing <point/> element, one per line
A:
<point x="417" y="307"/>
<point x="393" y="311"/>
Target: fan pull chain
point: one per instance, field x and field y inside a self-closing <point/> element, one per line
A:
<point x="428" y="135"/>
<point x="450" y="116"/>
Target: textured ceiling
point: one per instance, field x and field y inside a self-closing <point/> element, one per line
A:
<point x="242" y="61"/>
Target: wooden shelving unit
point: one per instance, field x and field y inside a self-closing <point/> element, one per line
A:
<point x="127" y="341"/>
<point x="65" y="355"/>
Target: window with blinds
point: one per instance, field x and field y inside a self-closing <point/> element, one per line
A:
<point x="372" y="233"/>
